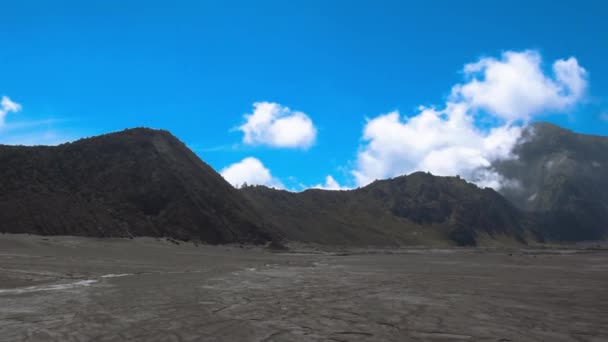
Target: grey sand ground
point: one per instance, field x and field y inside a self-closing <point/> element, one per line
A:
<point x="78" y="289"/>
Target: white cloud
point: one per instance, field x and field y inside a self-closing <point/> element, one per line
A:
<point x="515" y="86"/>
<point x="330" y="184"/>
<point x="251" y="171"/>
<point x="443" y="142"/>
<point x="448" y="141"/>
<point x="7" y="106"/>
<point x="274" y="125"/>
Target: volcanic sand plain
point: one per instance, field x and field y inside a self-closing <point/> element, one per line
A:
<point x="146" y="289"/>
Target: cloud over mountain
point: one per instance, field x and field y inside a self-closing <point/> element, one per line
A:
<point x="251" y="171"/>
<point x="449" y="141"/>
<point x="330" y="184"/>
<point x="515" y="86"/>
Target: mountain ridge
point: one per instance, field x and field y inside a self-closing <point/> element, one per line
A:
<point x="145" y="182"/>
<point x="130" y="183"/>
<point x="415" y="209"/>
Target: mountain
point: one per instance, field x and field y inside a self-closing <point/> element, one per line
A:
<point x="419" y="209"/>
<point x="557" y="191"/>
<point x="144" y="182"/>
<point x="562" y="176"/>
<point x="138" y="182"/>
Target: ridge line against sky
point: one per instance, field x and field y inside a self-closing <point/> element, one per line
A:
<point x="317" y="94"/>
<point x="448" y="140"/>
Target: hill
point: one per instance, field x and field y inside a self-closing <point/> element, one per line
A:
<point x="144" y="182"/>
<point x="562" y="176"/>
<point x="138" y="182"/>
<point x="419" y="209"/>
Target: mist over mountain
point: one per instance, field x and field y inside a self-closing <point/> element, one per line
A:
<point x="563" y="176"/>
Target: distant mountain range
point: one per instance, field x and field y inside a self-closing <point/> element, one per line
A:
<point x="143" y="182"/>
<point x="419" y="209"/>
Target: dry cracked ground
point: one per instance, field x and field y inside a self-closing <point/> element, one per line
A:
<point x="77" y="289"/>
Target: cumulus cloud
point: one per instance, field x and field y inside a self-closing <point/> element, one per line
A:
<point x="515" y="87"/>
<point x="251" y="171"/>
<point x="275" y="125"/>
<point x="448" y="141"/>
<point x="442" y="142"/>
<point x="7" y="106"/>
<point x="330" y="184"/>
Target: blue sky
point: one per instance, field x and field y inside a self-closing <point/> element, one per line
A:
<point x="196" y="68"/>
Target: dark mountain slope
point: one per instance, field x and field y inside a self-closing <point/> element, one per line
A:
<point x="137" y="182"/>
<point x="563" y="176"/>
<point x="415" y="209"/>
<point x="144" y="182"/>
